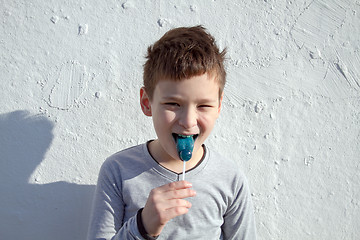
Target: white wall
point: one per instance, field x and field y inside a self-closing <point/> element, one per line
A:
<point x="70" y="73"/>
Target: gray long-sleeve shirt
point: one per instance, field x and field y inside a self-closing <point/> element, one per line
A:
<point x="221" y="209"/>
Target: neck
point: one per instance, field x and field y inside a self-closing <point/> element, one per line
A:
<point x="174" y="165"/>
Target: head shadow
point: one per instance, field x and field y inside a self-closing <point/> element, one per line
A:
<point x="58" y="210"/>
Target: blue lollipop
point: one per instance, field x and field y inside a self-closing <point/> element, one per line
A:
<point x="185" y="146"/>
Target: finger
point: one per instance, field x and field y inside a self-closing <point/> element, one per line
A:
<point x="174" y="186"/>
<point x="174" y="203"/>
<point x="176" y="211"/>
<point x="179" y="194"/>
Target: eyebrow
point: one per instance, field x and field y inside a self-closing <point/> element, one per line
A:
<point x="171" y="98"/>
<point x="201" y="100"/>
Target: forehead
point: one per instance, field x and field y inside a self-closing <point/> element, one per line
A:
<point x="204" y="86"/>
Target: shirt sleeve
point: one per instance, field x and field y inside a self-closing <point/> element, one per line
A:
<point x="239" y="220"/>
<point x="108" y="209"/>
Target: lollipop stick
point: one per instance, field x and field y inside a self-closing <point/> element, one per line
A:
<point x="184" y="167"/>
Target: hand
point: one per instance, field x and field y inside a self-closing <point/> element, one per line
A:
<point x="165" y="203"/>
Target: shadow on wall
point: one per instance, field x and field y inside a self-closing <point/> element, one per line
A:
<point x="57" y="210"/>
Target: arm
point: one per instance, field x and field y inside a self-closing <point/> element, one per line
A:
<point x="239" y="221"/>
<point x="108" y="209"/>
<point x="163" y="204"/>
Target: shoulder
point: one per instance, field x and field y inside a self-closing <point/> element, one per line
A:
<point x="224" y="166"/>
<point x="124" y="161"/>
<point x="122" y="157"/>
<point x="225" y="181"/>
<point x="228" y="173"/>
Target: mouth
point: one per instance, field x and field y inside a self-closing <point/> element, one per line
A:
<point x="180" y="136"/>
<point x="184" y="145"/>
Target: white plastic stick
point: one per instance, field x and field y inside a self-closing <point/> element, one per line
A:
<point x="184" y="168"/>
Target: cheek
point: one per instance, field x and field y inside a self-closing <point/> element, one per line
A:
<point x="165" y="117"/>
<point x="169" y="116"/>
<point x="207" y="122"/>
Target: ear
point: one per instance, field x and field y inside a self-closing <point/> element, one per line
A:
<point x="145" y="102"/>
<point x="220" y="103"/>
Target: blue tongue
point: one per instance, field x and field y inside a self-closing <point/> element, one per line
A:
<point x="185" y="147"/>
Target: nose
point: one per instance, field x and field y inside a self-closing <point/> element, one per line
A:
<point x="188" y="118"/>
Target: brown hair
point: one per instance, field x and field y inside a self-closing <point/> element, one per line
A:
<point x="183" y="53"/>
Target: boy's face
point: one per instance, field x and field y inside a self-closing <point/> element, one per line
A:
<point x="187" y="107"/>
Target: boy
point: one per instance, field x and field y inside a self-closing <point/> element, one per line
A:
<point x="139" y="195"/>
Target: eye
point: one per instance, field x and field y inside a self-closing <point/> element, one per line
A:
<point x="205" y="106"/>
<point x="172" y="104"/>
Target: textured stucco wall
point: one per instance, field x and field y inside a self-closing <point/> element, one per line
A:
<point x="70" y="73"/>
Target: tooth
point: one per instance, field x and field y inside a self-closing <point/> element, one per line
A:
<point x="185" y="136"/>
